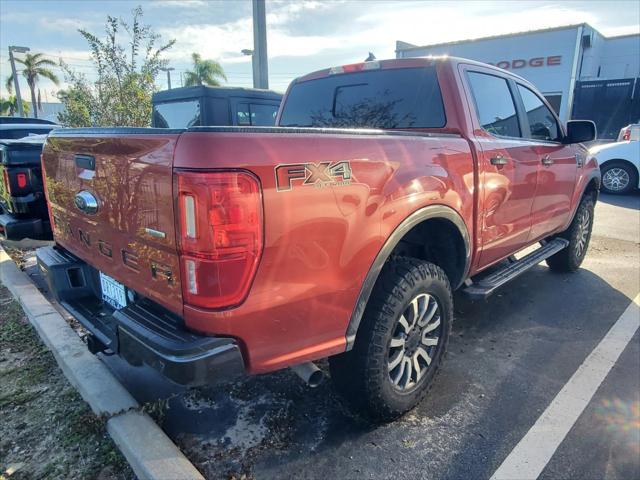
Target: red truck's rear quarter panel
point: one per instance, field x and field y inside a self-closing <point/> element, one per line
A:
<point x="319" y="243"/>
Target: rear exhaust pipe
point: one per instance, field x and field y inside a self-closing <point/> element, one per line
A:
<point x="309" y="373"/>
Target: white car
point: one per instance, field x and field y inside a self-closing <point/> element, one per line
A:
<point x="619" y="165"/>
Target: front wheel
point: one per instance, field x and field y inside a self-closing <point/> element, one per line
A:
<point x="401" y="341"/>
<point x="579" y="233"/>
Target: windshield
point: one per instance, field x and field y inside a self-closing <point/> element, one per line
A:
<point x="398" y="98"/>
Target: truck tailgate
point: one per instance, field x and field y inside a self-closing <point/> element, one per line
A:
<point x="131" y="236"/>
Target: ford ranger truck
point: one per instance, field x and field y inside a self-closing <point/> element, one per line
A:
<point x="341" y="232"/>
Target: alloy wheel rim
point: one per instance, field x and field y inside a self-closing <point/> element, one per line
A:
<point x="616" y="179"/>
<point x="414" y="343"/>
<point x="583" y="232"/>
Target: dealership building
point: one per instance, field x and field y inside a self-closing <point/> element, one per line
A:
<point x="582" y="73"/>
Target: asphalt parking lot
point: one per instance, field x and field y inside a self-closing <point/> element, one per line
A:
<point x="508" y="359"/>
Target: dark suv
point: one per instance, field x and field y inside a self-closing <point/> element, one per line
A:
<point x="23" y="207"/>
<point x="214" y="106"/>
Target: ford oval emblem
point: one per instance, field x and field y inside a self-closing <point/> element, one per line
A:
<point x="86" y="202"/>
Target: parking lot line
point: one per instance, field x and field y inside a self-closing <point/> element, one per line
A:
<point x="530" y="456"/>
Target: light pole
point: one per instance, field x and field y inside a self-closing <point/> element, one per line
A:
<point x="13" y="48"/>
<point x="260" y="67"/>
<point x="168" y="70"/>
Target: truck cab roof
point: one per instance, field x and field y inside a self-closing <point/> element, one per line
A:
<point x="217" y="92"/>
<point x="413" y="62"/>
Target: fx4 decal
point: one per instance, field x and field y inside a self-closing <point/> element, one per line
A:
<point x="323" y="174"/>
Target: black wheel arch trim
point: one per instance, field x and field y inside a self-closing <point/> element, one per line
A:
<point x="426" y="213"/>
<point x="594" y="175"/>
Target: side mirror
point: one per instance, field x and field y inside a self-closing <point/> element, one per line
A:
<point x="579" y="131"/>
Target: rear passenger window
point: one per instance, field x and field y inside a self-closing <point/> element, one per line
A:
<point x="263" y="115"/>
<point x="256" y="114"/>
<point x="243" y="115"/>
<point x="542" y="124"/>
<point x="494" y="104"/>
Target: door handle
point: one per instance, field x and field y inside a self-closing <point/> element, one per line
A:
<point x="547" y="160"/>
<point x="498" y="160"/>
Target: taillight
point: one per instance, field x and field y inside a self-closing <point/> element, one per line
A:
<point x="22" y="180"/>
<point x="219" y="236"/>
<point x="5" y="180"/>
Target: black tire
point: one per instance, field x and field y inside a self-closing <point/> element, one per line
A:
<point x="579" y="235"/>
<point x="618" y="166"/>
<point x="363" y="375"/>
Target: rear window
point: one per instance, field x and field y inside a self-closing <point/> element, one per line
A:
<point x="16" y="133"/>
<point x="397" y="98"/>
<point x="177" y="114"/>
<point x="20" y="156"/>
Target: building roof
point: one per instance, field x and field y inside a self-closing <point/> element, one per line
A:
<point x="624" y="35"/>
<point x="404" y="46"/>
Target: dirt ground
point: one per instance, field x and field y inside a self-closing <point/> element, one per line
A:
<point x="47" y="431"/>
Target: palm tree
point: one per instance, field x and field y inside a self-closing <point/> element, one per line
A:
<point x="10" y="106"/>
<point x="205" y="72"/>
<point x="35" y="68"/>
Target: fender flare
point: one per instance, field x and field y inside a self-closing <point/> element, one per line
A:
<point x="417" y="217"/>
<point x="594" y="175"/>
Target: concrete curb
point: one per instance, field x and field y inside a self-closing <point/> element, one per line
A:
<point x="149" y="451"/>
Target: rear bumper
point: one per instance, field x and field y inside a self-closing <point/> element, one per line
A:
<point x="142" y="332"/>
<point x="16" y="228"/>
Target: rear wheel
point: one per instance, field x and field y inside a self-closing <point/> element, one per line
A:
<point x="618" y="177"/>
<point x="401" y="341"/>
<point x="578" y="234"/>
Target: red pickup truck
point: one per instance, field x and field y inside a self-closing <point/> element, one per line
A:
<point x="342" y="232"/>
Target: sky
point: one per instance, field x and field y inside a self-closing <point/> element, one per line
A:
<point x="302" y="35"/>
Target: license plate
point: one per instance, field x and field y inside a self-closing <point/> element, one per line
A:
<point x="113" y="292"/>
